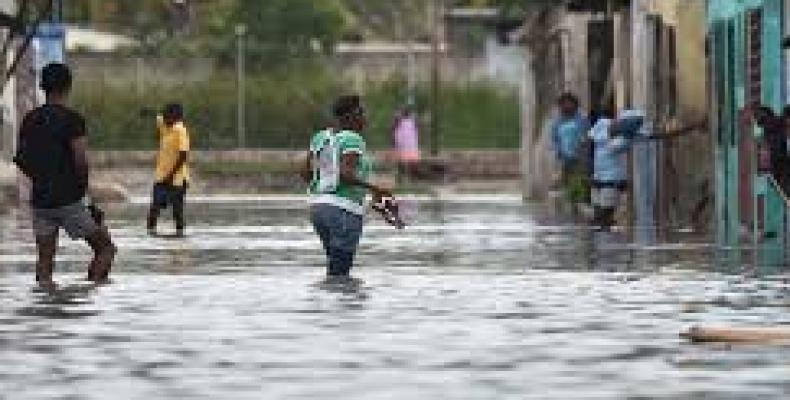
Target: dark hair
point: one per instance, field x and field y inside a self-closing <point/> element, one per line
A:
<point x="569" y="97"/>
<point x="173" y="111"/>
<point x="55" y="78"/>
<point x="598" y="113"/>
<point x="347" y="105"/>
<point x="593" y="117"/>
<point x="767" y="110"/>
<point x="786" y="111"/>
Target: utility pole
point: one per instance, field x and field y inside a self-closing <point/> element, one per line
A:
<point x="405" y="34"/>
<point x="241" y="128"/>
<point x="57" y="11"/>
<point x="437" y="15"/>
<point x="412" y="72"/>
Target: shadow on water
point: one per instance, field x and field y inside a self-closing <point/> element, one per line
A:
<point x="72" y="301"/>
<point x="353" y="291"/>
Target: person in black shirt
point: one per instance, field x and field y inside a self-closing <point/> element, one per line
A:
<point x="52" y="153"/>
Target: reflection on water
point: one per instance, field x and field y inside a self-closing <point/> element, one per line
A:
<point x="70" y="301"/>
<point x="482" y="298"/>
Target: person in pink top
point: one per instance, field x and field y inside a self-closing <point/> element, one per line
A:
<point x="406" y="140"/>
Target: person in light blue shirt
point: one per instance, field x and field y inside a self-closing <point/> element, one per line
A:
<point x="567" y="134"/>
<point x="611" y="139"/>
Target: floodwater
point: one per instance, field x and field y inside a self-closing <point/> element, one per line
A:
<point x="482" y="298"/>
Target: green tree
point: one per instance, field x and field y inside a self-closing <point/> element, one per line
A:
<point x="389" y="20"/>
<point x="280" y="30"/>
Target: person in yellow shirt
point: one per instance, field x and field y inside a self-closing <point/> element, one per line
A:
<point x="172" y="169"/>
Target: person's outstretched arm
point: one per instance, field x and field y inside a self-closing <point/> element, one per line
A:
<point x="160" y="123"/>
<point x="674" y="133"/>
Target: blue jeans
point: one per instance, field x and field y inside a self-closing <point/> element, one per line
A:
<point x="339" y="231"/>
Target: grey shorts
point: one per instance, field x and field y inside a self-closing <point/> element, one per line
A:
<point x="607" y="197"/>
<point x="75" y="219"/>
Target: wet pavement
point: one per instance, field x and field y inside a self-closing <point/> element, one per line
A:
<point x="482" y="298"/>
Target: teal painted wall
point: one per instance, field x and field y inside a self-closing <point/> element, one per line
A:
<point x="728" y="9"/>
<point x="727" y="24"/>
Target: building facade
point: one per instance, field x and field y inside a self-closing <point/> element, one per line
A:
<point x="7" y="104"/>
<point x="747" y="67"/>
<point x="697" y="68"/>
<point x="617" y="55"/>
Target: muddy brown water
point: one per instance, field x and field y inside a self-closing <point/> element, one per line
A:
<point x="482" y="298"/>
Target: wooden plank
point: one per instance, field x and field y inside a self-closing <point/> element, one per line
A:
<point x="746" y="335"/>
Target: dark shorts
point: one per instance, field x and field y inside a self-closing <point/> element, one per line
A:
<point x="607" y="194"/>
<point x="75" y="219"/>
<point x="167" y="195"/>
<point x="618" y="185"/>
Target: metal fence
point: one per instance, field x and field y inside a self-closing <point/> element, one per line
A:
<point x="234" y="103"/>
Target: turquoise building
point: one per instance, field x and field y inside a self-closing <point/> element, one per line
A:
<point x="747" y="66"/>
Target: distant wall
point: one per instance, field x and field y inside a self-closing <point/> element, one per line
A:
<point x="462" y="163"/>
<point x="498" y="64"/>
<point x="129" y="70"/>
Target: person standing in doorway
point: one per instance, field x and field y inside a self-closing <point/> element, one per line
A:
<point x="775" y="142"/>
<point x="172" y="169"/>
<point x="338" y="171"/>
<point x="567" y="133"/>
<point x="52" y="153"/>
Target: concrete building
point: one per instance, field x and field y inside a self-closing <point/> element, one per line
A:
<point x="626" y="54"/>
<point x="470" y="50"/>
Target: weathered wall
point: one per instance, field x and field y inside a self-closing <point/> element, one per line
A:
<point x="557" y="62"/>
<point x="687" y="161"/>
<point x="7" y="124"/>
<point x="462" y="163"/>
<point x="676" y="182"/>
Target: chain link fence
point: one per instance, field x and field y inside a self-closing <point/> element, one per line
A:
<point x="231" y="103"/>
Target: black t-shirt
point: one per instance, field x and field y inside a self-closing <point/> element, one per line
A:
<point x="775" y="138"/>
<point x="47" y="155"/>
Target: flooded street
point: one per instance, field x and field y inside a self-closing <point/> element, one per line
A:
<point x="483" y="298"/>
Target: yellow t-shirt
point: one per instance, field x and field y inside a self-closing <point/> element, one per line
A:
<point x="172" y="140"/>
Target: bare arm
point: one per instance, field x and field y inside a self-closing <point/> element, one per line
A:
<point x="79" y="146"/>
<point x="306" y="169"/>
<point x="19" y="157"/>
<point x="23" y="167"/>
<point x="348" y="175"/>
<point x="180" y="161"/>
<point x="673" y="133"/>
<point x="21" y="162"/>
